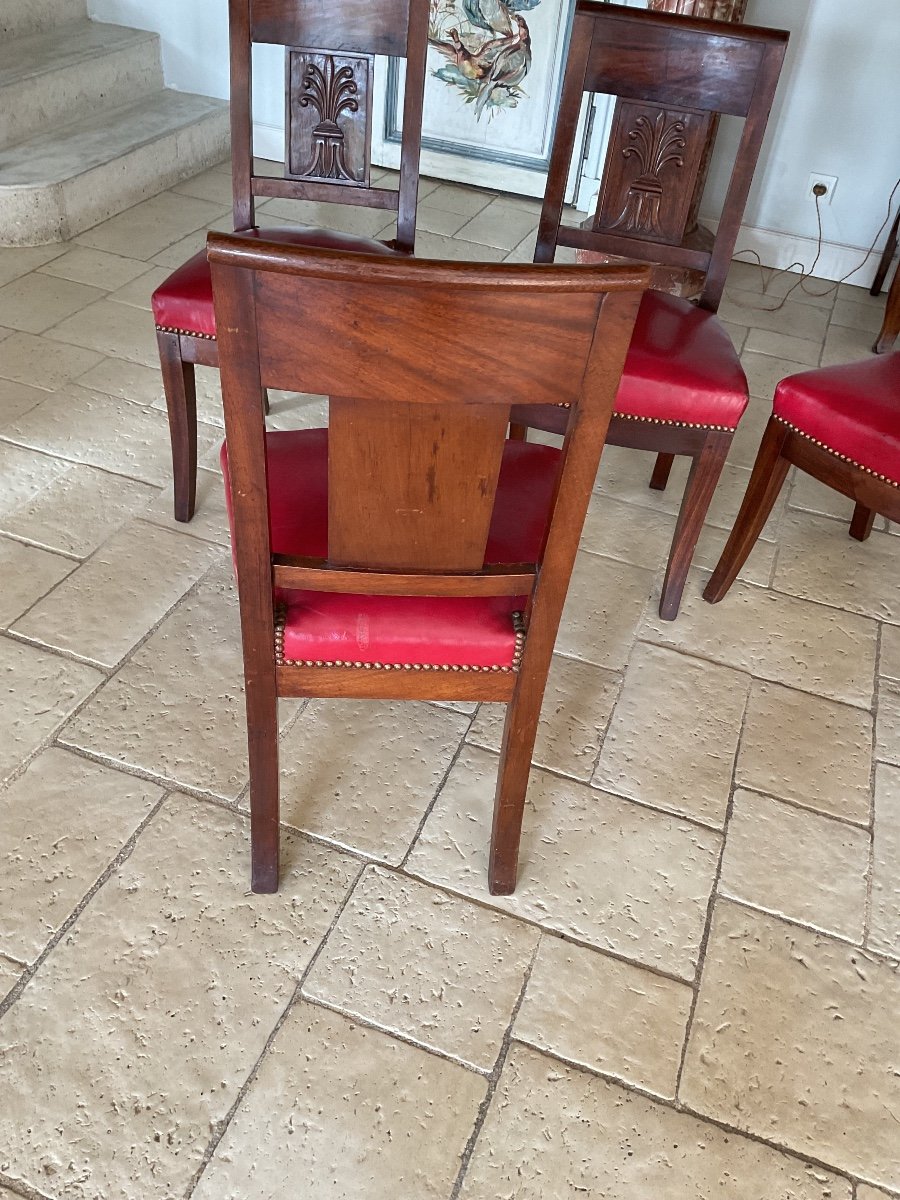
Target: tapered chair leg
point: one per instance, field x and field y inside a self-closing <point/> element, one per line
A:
<point x="512" y="781"/>
<point x="262" y="739"/>
<point x="862" y="521"/>
<point x="768" y="475"/>
<point x="705" y="471"/>
<point x="181" y="402"/>
<point x="661" y="469"/>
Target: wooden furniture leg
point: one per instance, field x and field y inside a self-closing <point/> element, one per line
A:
<point x="661" y="469"/>
<point x="891" y="326"/>
<point x="705" y="471"/>
<point x="768" y="475"/>
<point x="862" y="522"/>
<point x="887" y="255"/>
<point x="181" y="402"/>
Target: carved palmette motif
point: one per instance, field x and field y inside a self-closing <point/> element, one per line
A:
<point x="650" y="169"/>
<point x="329" y="117"/>
<point x="715" y="10"/>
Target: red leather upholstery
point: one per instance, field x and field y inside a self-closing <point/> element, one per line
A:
<point x="184" y="301"/>
<point x="437" y="631"/>
<point x="852" y="410"/>
<point x="681" y="366"/>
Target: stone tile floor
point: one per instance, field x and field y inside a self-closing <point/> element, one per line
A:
<point x="694" y="991"/>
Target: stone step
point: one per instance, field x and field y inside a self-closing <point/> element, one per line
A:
<point x="57" y="184"/>
<point x="21" y="17"/>
<point x="59" y="75"/>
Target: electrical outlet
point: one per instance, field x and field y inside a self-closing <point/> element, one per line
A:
<point x="828" y="182"/>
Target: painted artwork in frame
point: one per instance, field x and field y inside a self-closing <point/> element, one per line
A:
<point x="491" y="94"/>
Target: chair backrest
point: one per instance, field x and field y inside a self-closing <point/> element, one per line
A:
<point x="673" y="75"/>
<point x="330" y="49"/>
<point x="422" y="361"/>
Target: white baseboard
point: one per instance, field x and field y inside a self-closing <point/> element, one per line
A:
<point x="781" y="250"/>
<point x="268" y="141"/>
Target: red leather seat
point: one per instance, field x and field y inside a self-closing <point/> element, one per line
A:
<point x="183" y="303"/>
<point x="852" y="410"/>
<point x="682" y="367"/>
<point x="399" y="631"/>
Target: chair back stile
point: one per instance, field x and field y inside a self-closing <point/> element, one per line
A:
<point x="329" y="64"/>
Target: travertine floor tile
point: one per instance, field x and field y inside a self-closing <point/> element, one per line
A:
<point x="137" y="292"/>
<point x="362" y="772"/>
<point x="797" y="864"/>
<point x="35" y="302"/>
<point x="16" y="399"/>
<point x="577" y="706"/>
<point x="854" y="315"/>
<point x="348" y="218"/>
<point x="890" y="651"/>
<point x="435" y="245"/>
<point x="603" y="609"/>
<point x="296" y="410"/>
<point x="40" y="690"/>
<point x="193" y="243"/>
<point x="864" y="1192"/>
<point x="61" y="823"/>
<point x="605" y="1014"/>
<point x="884" y="933"/>
<point x="115" y="330"/>
<point x="415" y="961"/>
<point x="27" y="573"/>
<point x="439" y="220"/>
<point x="499" y="224"/>
<point x="887" y="728"/>
<point x="807" y="749"/>
<point x="764" y="372"/>
<point x="346" y="1111"/>
<point x="556" y="1131"/>
<point x="737" y="333"/>
<point x="130" y="381"/>
<point x="817" y="560"/>
<point x="593" y="866"/>
<point x="19" y="260"/>
<point x="783" y="345"/>
<point x="61" y="505"/>
<point x="674" y="734"/>
<point x="210" y="519"/>
<point x="454" y="198"/>
<point x="43" y="363"/>
<point x="789" y="318"/>
<point x="101" y="270"/>
<point x="103" y="431"/>
<point x="643" y="536"/>
<point x="149" y="227"/>
<point x="176" y="708"/>
<point x="843" y="345"/>
<point x="809" y="495"/>
<point x="110" y="602"/>
<point x="749" y="433"/>
<point x="10" y="974"/>
<point x="775" y="637"/>
<point x="794" y="1038"/>
<point x="148" y="1016"/>
<point x="213" y="185"/>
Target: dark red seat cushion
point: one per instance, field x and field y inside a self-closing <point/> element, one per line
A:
<point x="184" y="301"/>
<point x="396" y="630"/>
<point x="681" y="366"/>
<point x="852" y="410"/>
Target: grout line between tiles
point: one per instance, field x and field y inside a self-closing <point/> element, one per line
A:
<point x="19" y="1188"/>
<point x="109" y="870"/>
<point x="870" y="866"/>
<point x="221" y="1127"/>
<point x="493" y="1080"/>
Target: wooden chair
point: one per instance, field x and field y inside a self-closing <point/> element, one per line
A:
<point x="410" y="550"/>
<point x="683" y="390"/>
<point x="842" y="426"/>
<point x="329" y="59"/>
<point x="890" y="326"/>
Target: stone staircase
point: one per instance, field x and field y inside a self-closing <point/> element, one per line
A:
<point x="86" y="126"/>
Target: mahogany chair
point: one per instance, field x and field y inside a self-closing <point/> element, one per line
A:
<point x="410" y="550"/>
<point x="890" y="327"/>
<point x="683" y="390"/>
<point x="840" y="425"/>
<point x="330" y="49"/>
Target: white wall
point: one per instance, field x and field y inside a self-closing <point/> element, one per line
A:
<point x="837" y="113"/>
